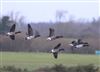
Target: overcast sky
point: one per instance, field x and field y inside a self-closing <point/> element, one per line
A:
<point x="45" y="11"/>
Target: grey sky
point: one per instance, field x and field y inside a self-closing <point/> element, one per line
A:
<point x="49" y="0"/>
<point x="45" y="11"/>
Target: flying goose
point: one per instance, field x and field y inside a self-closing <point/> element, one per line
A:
<point x="84" y="44"/>
<point x="30" y="33"/>
<point x="52" y="35"/>
<point x="12" y="32"/>
<point x="56" y="49"/>
<point x="78" y="44"/>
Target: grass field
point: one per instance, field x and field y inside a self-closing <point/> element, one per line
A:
<point x="36" y="60"/>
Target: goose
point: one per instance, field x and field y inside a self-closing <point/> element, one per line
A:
<point x="30" y="33"/>
<point x="78" y="44"/>
<point x="56" y="49"/>
<point x="52" y="35"/>
<point x="12" y="32"/>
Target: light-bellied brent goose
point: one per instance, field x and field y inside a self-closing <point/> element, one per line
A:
<point x="12" y="32"/>
<point x="78" y="44"/>
<point x="56" y="49"/>
<point x="52" y="35"/>
<point x="30" y="34"/>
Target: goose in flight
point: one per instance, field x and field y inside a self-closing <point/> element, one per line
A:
<point x="30" y="33"/>
<point x="12" y="32"/>
<point x="56" y="50"/>
<point x="78" y="44"/>
<point x="52" y="35"/>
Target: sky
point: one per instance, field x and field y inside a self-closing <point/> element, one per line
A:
<point x="44" y="11"/>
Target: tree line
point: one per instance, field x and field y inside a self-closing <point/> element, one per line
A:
<point x="88" y="31"/>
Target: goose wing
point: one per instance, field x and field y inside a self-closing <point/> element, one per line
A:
<point x="61" y="49"/>
<point x="57" y="46"/>
<point x="51" y="32"/>
<point x="55" y="55"/>
<point x="86" y="44"/>
<point x="79" y="41"/>
<point x="17" y="32"/>
<point x="30" y="30"/>
<point x="13" y="28"/>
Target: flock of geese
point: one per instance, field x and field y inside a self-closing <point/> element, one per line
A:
<point x="30" y="35"/>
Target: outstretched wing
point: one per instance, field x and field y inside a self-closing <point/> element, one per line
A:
<point x="13" y="28"/>
<point x="57" y="46"/>
<point x="30" y="30"/>
<point x="51" y="32"/>
<point x="86" y="44"/>
<point x="55" y="55"/>
<point x="79" y="41"/>
<point x="17" y="32"/>
<point x="61" y="49"/>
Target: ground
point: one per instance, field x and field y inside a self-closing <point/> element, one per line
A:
<point x="37" y="60"/>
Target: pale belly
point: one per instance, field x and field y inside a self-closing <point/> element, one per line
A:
<point x="53" y="50"/>
<point x="71" y="44"/>
<point x="79" y="46"/>
<point x="49" y="38"/>
<point x="30" y="37"/>
<point x="10" y="33"/>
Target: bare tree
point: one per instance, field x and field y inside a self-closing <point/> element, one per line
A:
<point x="60" y="14"/>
